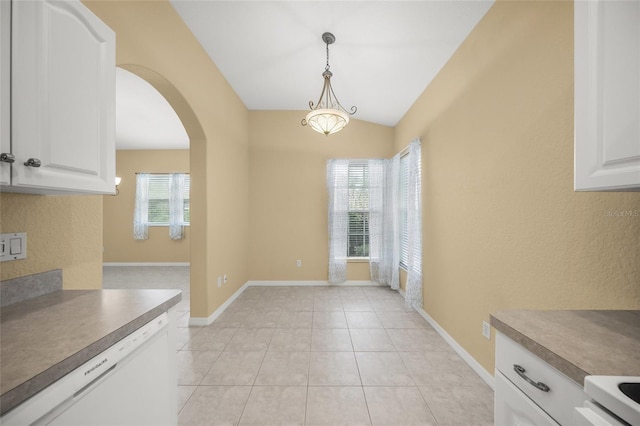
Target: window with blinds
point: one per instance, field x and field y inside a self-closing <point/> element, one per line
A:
<point x="358" y="226"/>
<point x="159" y="199"/>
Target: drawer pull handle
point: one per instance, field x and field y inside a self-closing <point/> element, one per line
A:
<point x="538" y="385"/>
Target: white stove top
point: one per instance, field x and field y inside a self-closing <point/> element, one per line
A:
<point x="604" y="390"/>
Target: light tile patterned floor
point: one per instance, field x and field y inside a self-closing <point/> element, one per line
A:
<point x="315" y="356"/>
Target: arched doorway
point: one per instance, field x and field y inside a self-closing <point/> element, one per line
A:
<point x="194" y="134"/>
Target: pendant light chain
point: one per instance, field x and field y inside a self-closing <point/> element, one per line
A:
<point x="326" y="68"/>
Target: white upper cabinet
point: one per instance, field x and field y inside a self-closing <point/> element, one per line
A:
<point x="607" y="95"/>
<point x="5" y="85"/>
<point x="62" y="100"/>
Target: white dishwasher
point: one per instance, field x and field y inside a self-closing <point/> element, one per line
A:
<point x="131" y="383"/>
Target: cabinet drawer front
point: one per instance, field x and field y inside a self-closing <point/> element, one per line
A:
<point x="563" y="394"/>
<point x="515" y="408"/>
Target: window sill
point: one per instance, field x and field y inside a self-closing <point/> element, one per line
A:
<point x="357" y="260"/>
<point x="166" y="225"/>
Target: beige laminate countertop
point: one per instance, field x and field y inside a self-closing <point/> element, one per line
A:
<point x="44" y="338"/>
<point x="577" y="343"/>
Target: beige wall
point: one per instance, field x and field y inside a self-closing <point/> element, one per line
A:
<point x="153" y="42"/>
<point x="503" y="228"/>
<point x="119" y="245"/>
<point x="63" y="232"/>
<point x="288" y="196"/>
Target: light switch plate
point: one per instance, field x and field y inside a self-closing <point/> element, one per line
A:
<point x="13" y="246"/>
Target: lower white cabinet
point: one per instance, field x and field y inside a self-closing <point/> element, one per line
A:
<point x="530" y="391"/>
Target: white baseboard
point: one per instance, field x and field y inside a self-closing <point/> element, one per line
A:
<point x="256" y="283"/>
<point x="201" y="322"/>
<point x="466" y="357"/>
<point x="146" y="264"/>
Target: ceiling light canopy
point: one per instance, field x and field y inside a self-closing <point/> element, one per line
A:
<point x="327" y="116"/>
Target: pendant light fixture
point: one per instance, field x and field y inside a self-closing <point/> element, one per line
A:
<point x="327" y="116"/>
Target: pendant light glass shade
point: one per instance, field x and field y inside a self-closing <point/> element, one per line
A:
<point x="327" y="116"/>
<point x="327" y="121"/>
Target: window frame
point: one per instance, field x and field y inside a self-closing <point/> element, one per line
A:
<point x="187" y="199"/>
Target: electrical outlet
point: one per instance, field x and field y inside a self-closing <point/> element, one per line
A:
<point x="299" y="263"/>
<point x="219" y="282"/>
<point x="225" y="279"/>
<point x="486" y="330"/>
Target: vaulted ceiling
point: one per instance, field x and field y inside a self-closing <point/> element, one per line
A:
<point x="386" y="52"/>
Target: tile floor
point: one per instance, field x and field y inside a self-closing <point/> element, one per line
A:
<point x="315" y="356"/>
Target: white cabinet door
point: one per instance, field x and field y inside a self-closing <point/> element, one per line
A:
<point x="5" y="98"/>
<point x="607" y="95"/>
<point x="63" y="97"/>
<point x="514" y="408"/>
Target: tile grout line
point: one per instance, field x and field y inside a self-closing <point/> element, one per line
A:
<point x="364" y="395"/>
<point x="252" y="386"/>
<point x="306" y="401"/>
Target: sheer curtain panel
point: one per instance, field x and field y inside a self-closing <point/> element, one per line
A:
<point x="176" y="206"/>
<point x="390" y="258"/>
<point x="141" y="209"/>
<point x="413" y="294"/>
<point x="383" y="260"/>
<point x="377" y="176"/>
<point x="338" y="191"/>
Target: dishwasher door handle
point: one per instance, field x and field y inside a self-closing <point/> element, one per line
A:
<point x="94" y="381"/>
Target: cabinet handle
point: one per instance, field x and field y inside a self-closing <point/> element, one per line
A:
<point x="5" y="157"/>
<point x="537" y="385"/>
<point x="32" y="162"/>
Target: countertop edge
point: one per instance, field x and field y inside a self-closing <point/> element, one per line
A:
<point x="559" y="363"/>
<point x="26" y="390"/>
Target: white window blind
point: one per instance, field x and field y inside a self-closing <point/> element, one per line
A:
<point x="358" y="225"/>
<point x="403" y="201"/>
<point x="416" y="261"/>
<point x="159" y="200"/>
